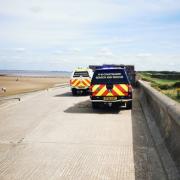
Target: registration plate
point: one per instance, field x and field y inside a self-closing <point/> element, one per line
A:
<point x="81" y="87"/>
<point x="110" y="98"/>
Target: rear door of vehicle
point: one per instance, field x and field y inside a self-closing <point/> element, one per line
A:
<point x="81" y="79"/>
<point x="110" y="83"/>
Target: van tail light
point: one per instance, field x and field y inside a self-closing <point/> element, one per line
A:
<point x="129" y="90"/>
<point x="90" y="89"/>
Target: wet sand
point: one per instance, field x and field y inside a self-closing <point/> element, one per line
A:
<point x="16" y="85"/>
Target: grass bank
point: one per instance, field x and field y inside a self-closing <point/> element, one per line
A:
<point x="169" y="85"/>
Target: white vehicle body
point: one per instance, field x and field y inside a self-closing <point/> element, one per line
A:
<point x="81" y="80"/>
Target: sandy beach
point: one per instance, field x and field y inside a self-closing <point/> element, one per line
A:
<point x="16" y="85"/>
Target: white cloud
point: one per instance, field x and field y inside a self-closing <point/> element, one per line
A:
<point x="76" y="50"/>
<point x="57" y="52"/>
<point x="19" y="50"/>
<point x="105" y="52"/>
<point x="142" y="55"/>
<point x="35" y="9"/>
<point x="13" y="49"/>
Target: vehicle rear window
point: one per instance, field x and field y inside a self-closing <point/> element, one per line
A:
<point x="81" y="73"/>
<point x="109" y="76"/>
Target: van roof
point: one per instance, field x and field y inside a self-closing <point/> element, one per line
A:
<point x="110" y="68"/>
<point x="82" y="69"/>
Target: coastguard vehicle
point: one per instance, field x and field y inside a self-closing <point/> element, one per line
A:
<point x="111" y="86"/>
<point x="80" y="81"/>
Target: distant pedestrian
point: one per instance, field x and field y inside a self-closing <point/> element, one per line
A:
<point x="3" y="89"/>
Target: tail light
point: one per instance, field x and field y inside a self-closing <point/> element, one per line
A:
<point x="90" y="89"/>
<point x="129" y="90"/>
<point x="70" y="82"/>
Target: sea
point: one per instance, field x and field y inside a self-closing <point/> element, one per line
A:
<point x="34" y="73"/>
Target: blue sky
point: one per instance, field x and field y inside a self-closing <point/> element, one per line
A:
<point x="64" y="34"/>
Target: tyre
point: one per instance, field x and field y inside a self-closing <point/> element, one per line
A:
<point x="84" y="92"/>
<point x="95" y="105"/>
<point x="87" y="92"/>
<point x="116" y="105"/>
<point x="74" y="92"/>
<point x="129" y="105"/>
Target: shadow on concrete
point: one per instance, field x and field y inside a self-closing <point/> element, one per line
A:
<point x="66" y="94"/>
<point x="86" y="107"/>
<point x="69" y="94"/>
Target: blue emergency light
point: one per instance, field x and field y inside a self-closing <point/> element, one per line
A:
<point x="110" y="66"/>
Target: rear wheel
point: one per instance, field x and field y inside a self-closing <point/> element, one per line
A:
<point x="116" y="105"/>
<point x="129" y="105"/>
<point x="74" y="92"/>
<point x="85" y="92"/>
<point x="95" y="105"/>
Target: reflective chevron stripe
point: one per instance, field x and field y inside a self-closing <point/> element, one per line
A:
<point x="80" y="82"/>
<point x="117" y="90"/>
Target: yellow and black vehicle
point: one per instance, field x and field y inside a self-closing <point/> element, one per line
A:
<point x="111" y="86"/>
<point x="80" y="80"/>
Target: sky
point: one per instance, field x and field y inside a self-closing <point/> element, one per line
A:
<point x="65" y="34"/>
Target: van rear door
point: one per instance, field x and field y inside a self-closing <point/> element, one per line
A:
<point x="110" y="82"/>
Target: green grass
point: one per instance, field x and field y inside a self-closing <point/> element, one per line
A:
<point x="164" y="81"/>
<point x="172" y="93"/>
<point x="166" y="86"/>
